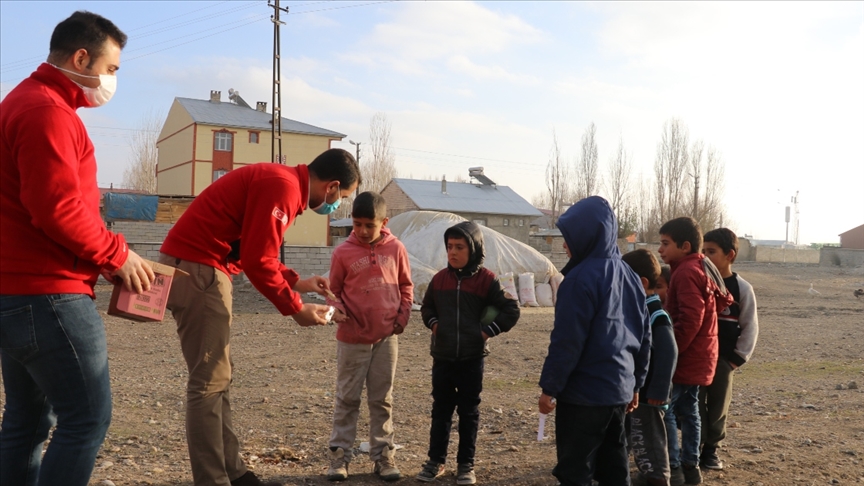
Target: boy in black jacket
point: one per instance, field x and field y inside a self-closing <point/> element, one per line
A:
<point x="452" y="308"/>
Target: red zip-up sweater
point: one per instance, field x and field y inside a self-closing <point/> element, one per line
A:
<point x="374" y="288"/>
<point x="252" y="205"/>
<point x="693" y="301"/>
<point x="52" y="238"/>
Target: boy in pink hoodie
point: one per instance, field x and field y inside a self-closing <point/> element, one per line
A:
<point x="371" y="281"/>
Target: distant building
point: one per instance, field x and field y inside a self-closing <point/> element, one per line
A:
<point x="854" y="238"/>
<point x="483" y="201"/>
<point x="202" y="140"/>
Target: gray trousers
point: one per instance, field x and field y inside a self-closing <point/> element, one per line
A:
<point x="714" y="401"/>
<point x="648" y="441"/>
<point x="375" y="366"/>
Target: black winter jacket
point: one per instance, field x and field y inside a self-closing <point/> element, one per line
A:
<point x="456" y="298"/>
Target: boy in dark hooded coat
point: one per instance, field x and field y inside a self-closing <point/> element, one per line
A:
<point x="598" y="351"/>
<point x="453" y="309"/>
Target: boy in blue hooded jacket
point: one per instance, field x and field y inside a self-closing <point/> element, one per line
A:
<point x="598" y="350"/>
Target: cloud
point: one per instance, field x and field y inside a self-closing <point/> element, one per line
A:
<point x="463" y="65"/>
<point x="421" y="32"/>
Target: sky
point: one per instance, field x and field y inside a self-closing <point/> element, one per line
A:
<point x="776" y="87"/>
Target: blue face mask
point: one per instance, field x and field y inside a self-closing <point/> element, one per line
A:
<point x="326" y="208"/>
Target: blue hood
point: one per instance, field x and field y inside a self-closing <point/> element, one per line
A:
<point x="590" y="230"/>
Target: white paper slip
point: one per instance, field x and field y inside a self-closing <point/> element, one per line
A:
<point x="540" y="434"/>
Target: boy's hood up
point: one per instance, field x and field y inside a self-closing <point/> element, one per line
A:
<point x="476" y="252"/>
<point x="590" y="230"/>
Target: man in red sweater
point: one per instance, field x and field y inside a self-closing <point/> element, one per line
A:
<point x="53" y="246"/>
<point x="237" y="223"/>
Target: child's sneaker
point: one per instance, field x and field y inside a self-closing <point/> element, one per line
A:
<point x="338" y="470"/>
<point x="465" y="474"/>
<point x="386" y="469"/>
<point x="709" y="459"/>
<point x="692" y="474"/>
<point x="431" y="470"/>
<point x="677" y="476"/>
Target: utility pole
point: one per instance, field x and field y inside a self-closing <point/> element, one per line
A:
<point x="356" y="144"/>
<point x="276" y="123"/>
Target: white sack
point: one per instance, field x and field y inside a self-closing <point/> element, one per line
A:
<point x="555" y="281"/>
<point x="543" y="292"/>
<point x="509" y="285"/>
<point x="526" y="290"/>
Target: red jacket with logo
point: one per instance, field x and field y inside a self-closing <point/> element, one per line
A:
<point x="250" y="207"/>
<point x="52" y="238"/>
<point x="693" y="301"/>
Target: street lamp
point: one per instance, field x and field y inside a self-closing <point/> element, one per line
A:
<point x="356" y="144"/>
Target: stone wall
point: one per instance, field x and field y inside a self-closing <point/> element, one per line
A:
<point x="783" y="255"/>
<point x="843" y="257"/>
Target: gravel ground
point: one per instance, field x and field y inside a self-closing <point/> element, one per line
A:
<point x="797" y="414"/>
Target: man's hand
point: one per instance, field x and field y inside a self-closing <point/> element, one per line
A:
<point x="656" y="403"/>
<point x="136" y="274"/>
<point x="311" y="315"/>
<point x="634" y="404"/>
<point x="435" y="329"/>
<point x="546" y="403"/>
<point x="315" y="283"/>
<point x="397" y="328"/>
<point x="485" y="336"/>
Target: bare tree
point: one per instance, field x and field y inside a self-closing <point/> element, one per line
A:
<point x="380" y="166"/>
<point x="557" y="174"/>
<point x="140" y="173"/>
<point x="587" y="174"/>
<point x="707" y="174"/>
<point x="670" y="166"/>
<point x="647" y="221"/>
<point x="617" y="184"/>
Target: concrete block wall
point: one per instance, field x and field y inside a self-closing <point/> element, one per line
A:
<point x="843" y="257"/>
<point x="141" y="231"/>
<point x="781" y="255"/>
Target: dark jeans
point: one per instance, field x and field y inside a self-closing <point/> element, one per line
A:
<point x="55" y="370"/>
<point x="591" y="444"/>
<point x="456" y="385"/>
<point x="684" y="413"/>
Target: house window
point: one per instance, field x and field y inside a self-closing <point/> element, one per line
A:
<point x="506" y="222"/>
<point x="521" y="222"/>
<point x="253" y="137"/>
<point x="218" y="173"/>
<point x="223" y="141"/>
<point x="481" y="222"/>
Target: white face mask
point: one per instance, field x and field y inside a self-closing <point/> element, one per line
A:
<point x="100" y="95"/>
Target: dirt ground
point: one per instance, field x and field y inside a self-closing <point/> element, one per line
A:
<point x="797" y="415"/>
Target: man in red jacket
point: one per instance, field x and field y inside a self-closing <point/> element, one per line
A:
<point x="53" y="246"/>
<point x="237" y="223"/>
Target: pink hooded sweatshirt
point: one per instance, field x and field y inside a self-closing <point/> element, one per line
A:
<point x="374" y="288"/>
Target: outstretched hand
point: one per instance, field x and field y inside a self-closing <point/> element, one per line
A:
<point x="315" y="283"/>
<point x="311" y="315"/>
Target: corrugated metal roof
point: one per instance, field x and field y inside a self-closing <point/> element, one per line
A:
<point x="230" y="115"/>
<point x="463" y="196"/>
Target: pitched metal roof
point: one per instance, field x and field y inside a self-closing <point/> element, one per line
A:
<point x="464" y="197"/>
<point x="228" y="114"/>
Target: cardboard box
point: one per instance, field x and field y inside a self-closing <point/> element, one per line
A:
<point x="149" y="306"/>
